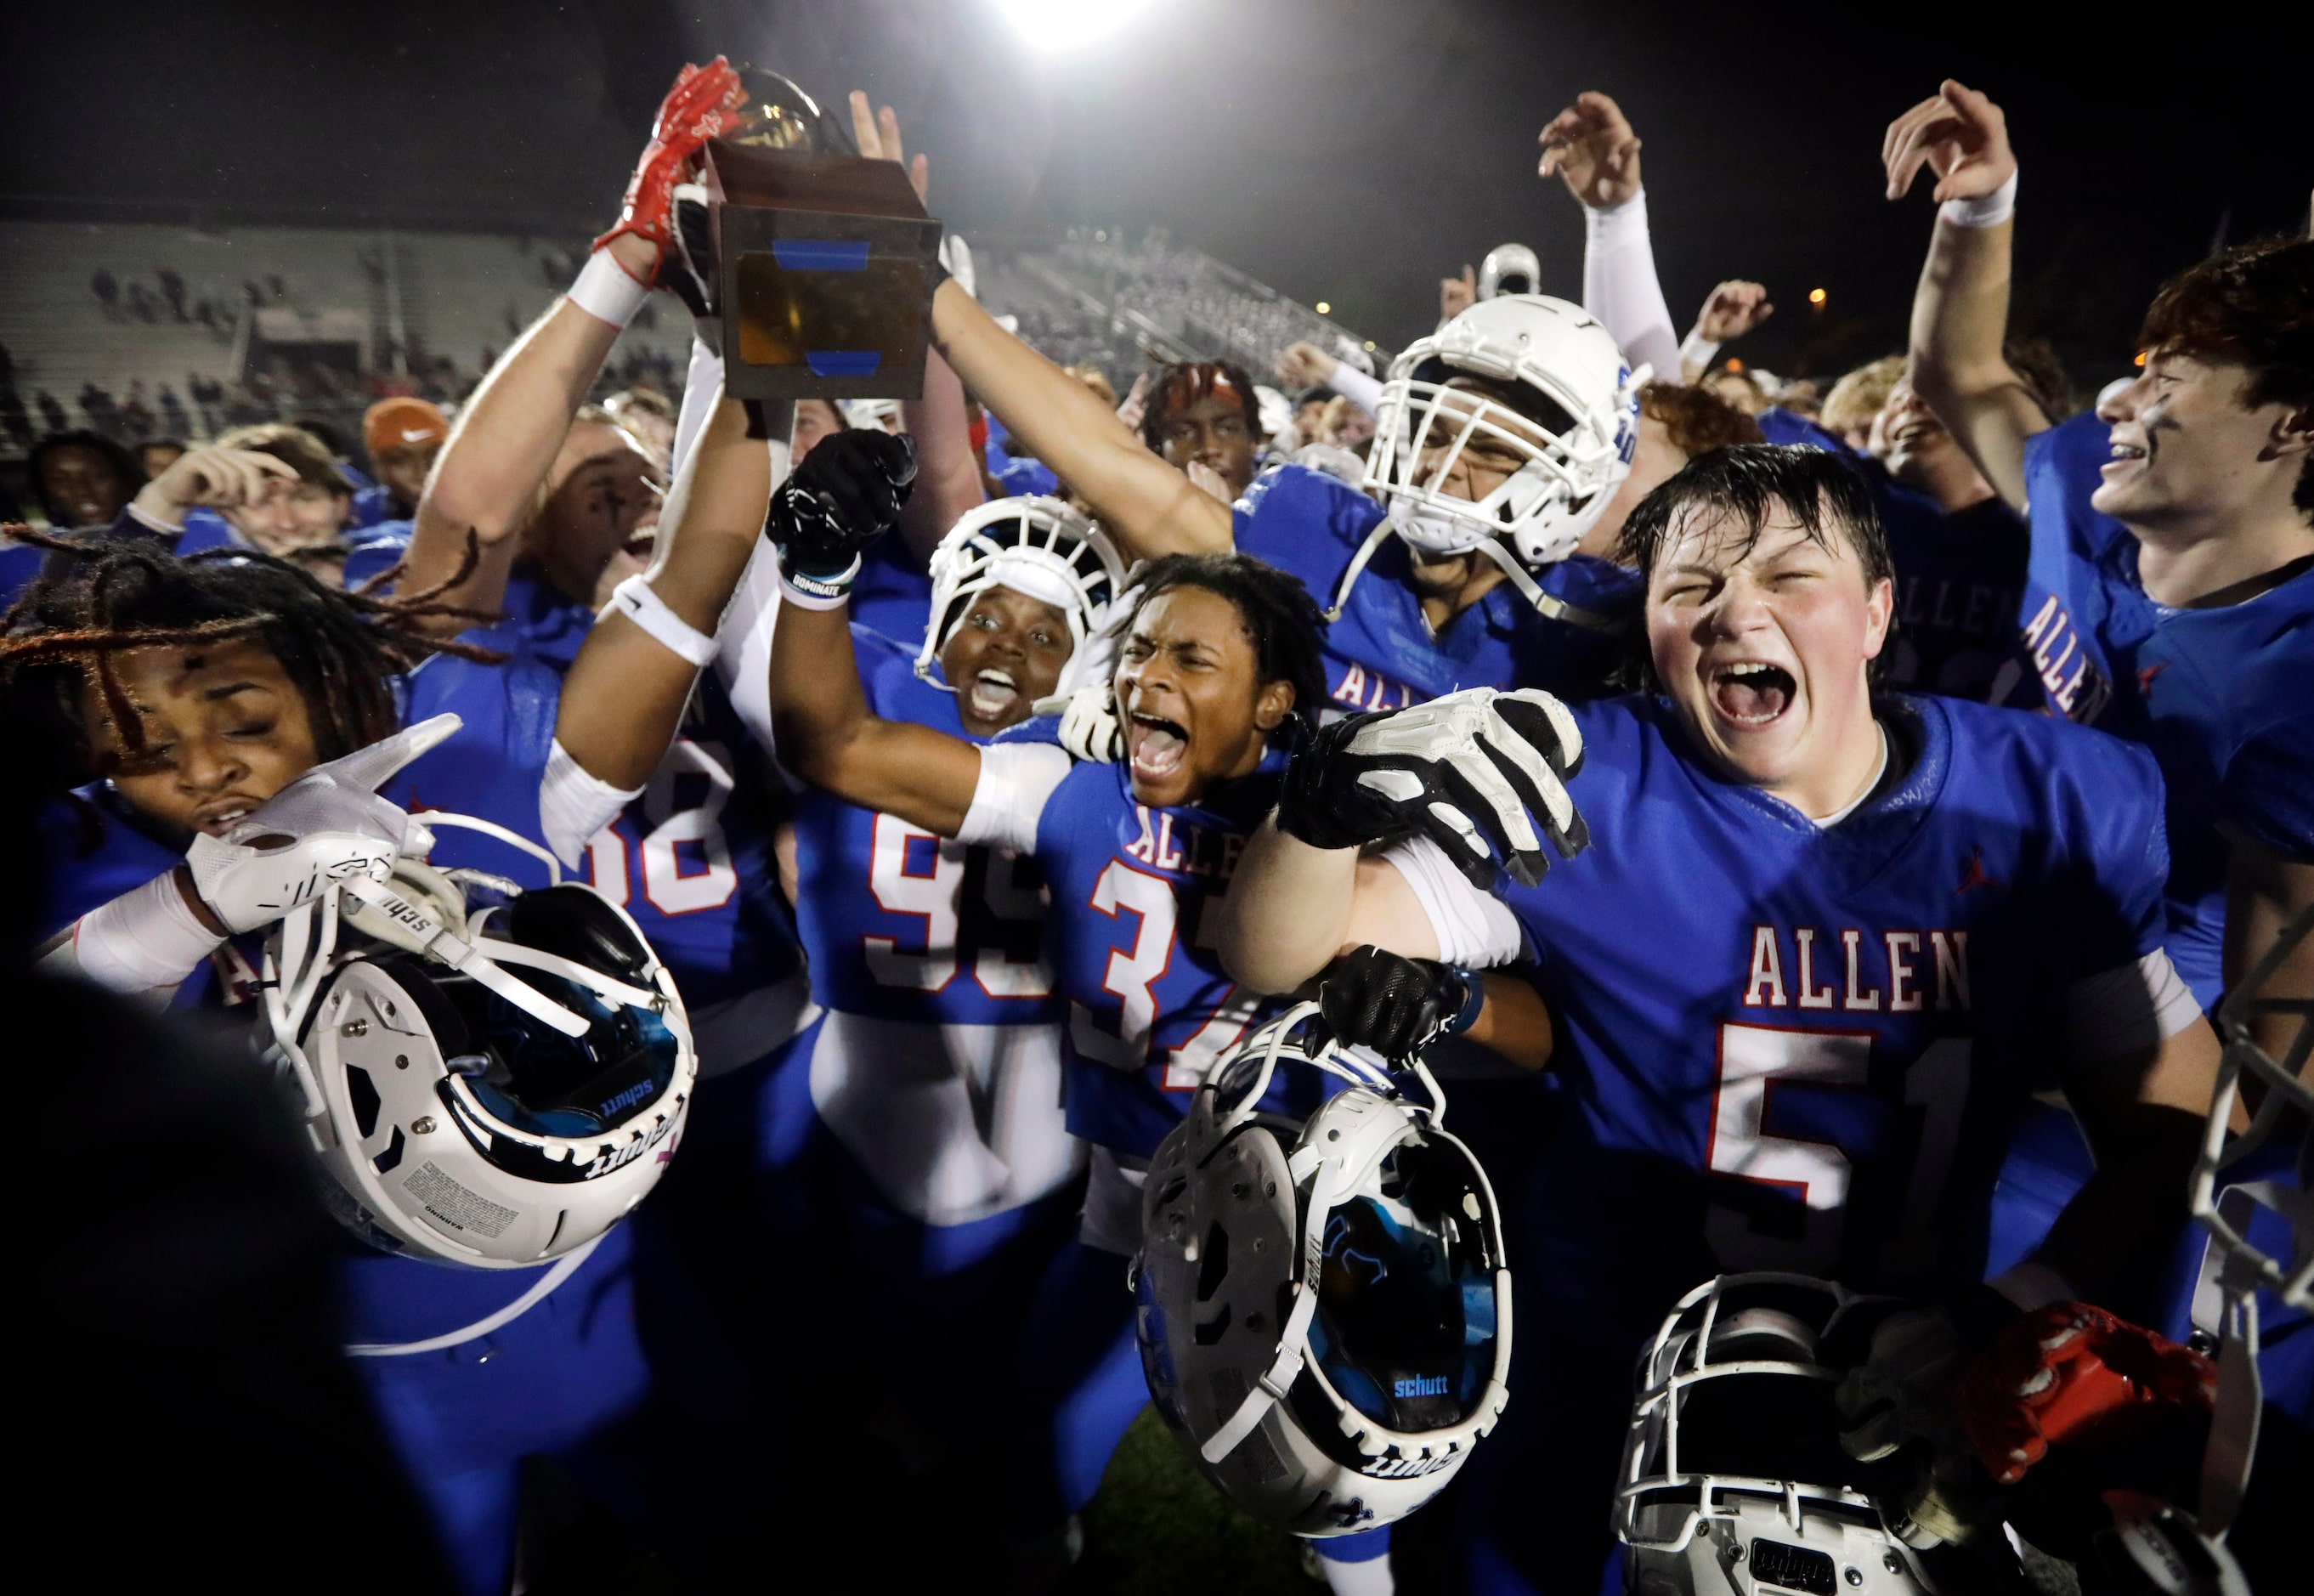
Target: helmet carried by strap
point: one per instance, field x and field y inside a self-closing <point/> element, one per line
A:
<point x="492" y="1077"/>
<point x="1324" y="1311"/>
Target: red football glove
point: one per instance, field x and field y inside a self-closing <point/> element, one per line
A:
<point x="704" y="102"/>
<point x="2053" y="1373"/>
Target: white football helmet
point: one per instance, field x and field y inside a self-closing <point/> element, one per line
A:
<point x="1509" y="269"/>
<point x="492" y="1085"/>
<point x="1734" y="1481"/>
<point x="1324" y="1311"/>
<point x="1575" y="426"/>
<point x="1034" y="545"/>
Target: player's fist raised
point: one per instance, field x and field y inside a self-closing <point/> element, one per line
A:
<point x="704" y="102"/>
<point x="1397" y="1006"/>
<point x="845" y="495"/>
<point x="1959" y="135"/>
<point x="1591" y="149"/>
<point x="1733" y="309"/>
<point x="1483" y="774"/>
<point x="1306" y="365"/>
<point x="1457" y="294"/>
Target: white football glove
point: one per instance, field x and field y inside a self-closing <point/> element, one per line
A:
<point x="1473" y="771"/>
<point x="1090" y="729"/>
<point x="327" y="826"/>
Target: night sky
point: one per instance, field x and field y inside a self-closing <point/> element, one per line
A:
<point x="1346" y="150"/>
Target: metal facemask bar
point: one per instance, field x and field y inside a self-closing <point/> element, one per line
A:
<point x="1399" y="448"/>
<point x="2234" y="1271"/>
<point x="1053" y="547"/>
<point x="1671" y="1367"/>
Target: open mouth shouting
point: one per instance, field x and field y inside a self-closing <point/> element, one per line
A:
<point x="1750" y="693"/>
<point x="992" y="694"/>
<point x="1155" y="746"/>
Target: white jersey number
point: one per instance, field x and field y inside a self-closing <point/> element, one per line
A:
<point x="1753" y="1059"/>
<point x="1132" y="975"/>
<point x="932" y="895"/>
<point x="668" y="886"/>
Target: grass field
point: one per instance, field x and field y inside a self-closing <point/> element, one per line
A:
<point x="1158" y="1529"/>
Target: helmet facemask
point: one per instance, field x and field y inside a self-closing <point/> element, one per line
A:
<point x="1036" y="546"/>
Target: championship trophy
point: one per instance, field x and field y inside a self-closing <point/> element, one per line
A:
<point x="824" y="260"/>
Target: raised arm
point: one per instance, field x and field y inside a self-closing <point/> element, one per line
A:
<point x="624" y="697"/>
<point x="1960" y="310"/>
<point x="505" y="439"/>
<point x="948" y="475"/>
<point x="1145" y="504"/>
<point x="1591" y="149"/>
<point x="847" y="493"/>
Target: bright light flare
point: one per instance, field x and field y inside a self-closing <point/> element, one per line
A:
<point x="1324" y="309"/>
<point x="1816" y="296"/>
<point x="1063" y="24"/>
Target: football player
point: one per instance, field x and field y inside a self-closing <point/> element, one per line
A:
<point x="2172" y="577"/>
<point x="1505" y="437"/>
<point x="1216" y="660"/>
<point x="1814" y="957"/>
<point x="199" y="689"/>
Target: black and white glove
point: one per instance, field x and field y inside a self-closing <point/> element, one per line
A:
<point x="1474" y="770"/>
<point x="845" y="495"/>
<point x="687" y="270"/>
<point x="1397" y="1006"/>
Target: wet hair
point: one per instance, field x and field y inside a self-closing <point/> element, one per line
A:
<point x="1750" y="482"/>
<point x="1698" y="420"/>
<point x="1281" y="619"/>
<point x="125" y="465"/>
<point x="101" y="597"/>
<point x="1181" y="385"/>
<point x="2254" y="304"/>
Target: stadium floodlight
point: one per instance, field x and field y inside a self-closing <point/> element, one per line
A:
<point x="1063" y="25"/>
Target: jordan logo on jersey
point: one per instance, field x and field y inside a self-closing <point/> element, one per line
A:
<point x="1898" y="971"/>
<point x="1973" y="875"/>
<point x="2074" y="684"/>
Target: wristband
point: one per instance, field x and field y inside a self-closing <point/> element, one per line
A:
<point x="1990" y="211"/>
<point x="144" y="940"/>
<point x="1697" y="350"/>
<point x="1474" y="998"/>
<point x="638" y="602"/>
<point x="819" y="593"/>
<point x="606" y="291"/>
<point x="153" y="523"/>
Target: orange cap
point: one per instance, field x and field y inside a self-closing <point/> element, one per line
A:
<point x="392" y="423"/>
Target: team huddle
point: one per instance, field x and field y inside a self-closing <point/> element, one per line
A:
<point x="1361" y="936"/>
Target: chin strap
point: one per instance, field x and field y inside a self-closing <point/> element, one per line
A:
<point x="1550" y="606"/>
<point x="1275" y="1382"/>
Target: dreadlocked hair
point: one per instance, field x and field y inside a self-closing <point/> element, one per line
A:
<point x="1281" y="620"/>
<point x="107" y="596"/>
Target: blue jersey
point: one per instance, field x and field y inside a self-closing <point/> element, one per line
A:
<point x="893" y="594"/>
<point x="2220" y="696"/>
<point x="1960" y="578"/>
<point x="1380" y="653"/>
<point x="899" y="924"/>
<point x="690" y="858"/>
<point x="1149" y="1006"/>
<point x="1802" y="1048"/>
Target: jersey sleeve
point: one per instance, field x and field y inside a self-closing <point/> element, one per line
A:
<point x="2107" y="905"/>
<point x="1305" y="523"/>
<point x="1016" y="781"/>
<point x="2128" y="1010"/>
<point x="1473" y="929"/>
<point x="2268" y="790"/>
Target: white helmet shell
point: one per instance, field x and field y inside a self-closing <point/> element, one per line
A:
<point x="491" y="1087"/>
<point x="1577" y="436"/>
<point x="1509" y="269"/>
<point x="1034" y="545"/>
<point x="1732" y="1479"/>
<point x="1324" y="1312"/>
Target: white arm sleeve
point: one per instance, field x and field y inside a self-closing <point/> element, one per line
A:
<point x="700" y="384"/>
<point x="1620" y="285"/>
<point x="743" y="643"/>
<point x="573" y="805"/>
<point x="1473" y="929"/>
<point x="145" y="941"/>
<point x="1016" y="780"/>
<point x="1354" y="385"/>
<point x="2130" y="1009"/>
